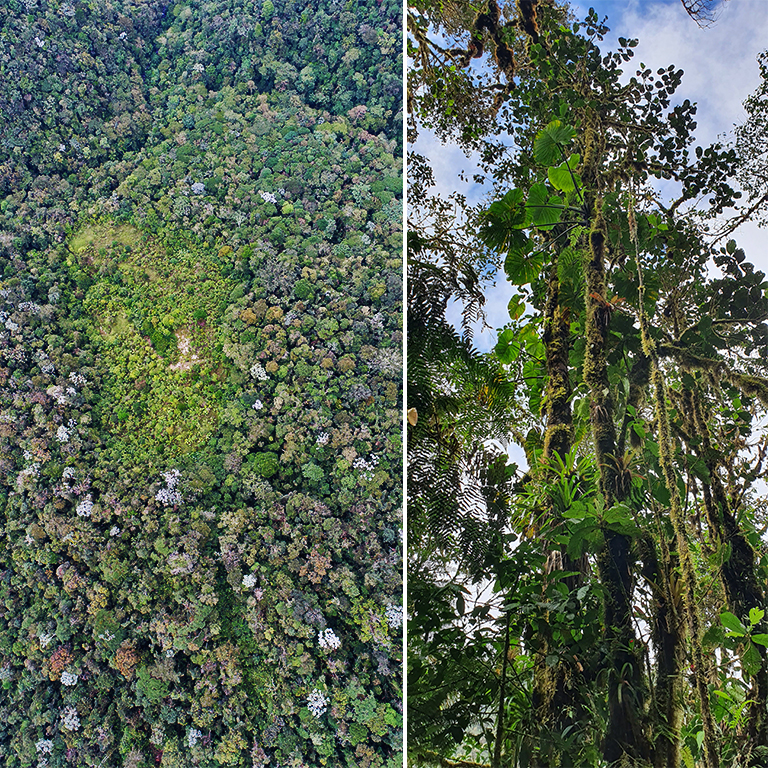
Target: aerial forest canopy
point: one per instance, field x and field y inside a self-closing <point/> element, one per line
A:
<point x="200" y="383"/>
<point x="606" y="604"/>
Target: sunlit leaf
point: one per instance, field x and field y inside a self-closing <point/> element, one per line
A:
<point x="507" y="348"/>
<point x="563" y="177"/>
<point x="549" y="143"/>
<point x="732" y="624"/>
<point x="516" y="306"/>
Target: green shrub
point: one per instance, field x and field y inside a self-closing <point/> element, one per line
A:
<point x="303" y="290"/>
<point x="264" y="464"/>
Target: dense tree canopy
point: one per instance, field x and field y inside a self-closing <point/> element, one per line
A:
<point x="200" y="384"/>
<point x="626" y="565"/>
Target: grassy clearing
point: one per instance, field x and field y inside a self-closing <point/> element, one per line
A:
<point x="97" y="236"/>
<point x="154" y="316"/>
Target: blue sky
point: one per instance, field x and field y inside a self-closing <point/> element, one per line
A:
<point x="720" y="73"/>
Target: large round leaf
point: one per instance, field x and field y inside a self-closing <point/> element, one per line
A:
<point x="550" y="141"/>
<point x="522" y="266"/>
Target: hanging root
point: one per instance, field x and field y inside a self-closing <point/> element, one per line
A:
<point x="666" y="452"/>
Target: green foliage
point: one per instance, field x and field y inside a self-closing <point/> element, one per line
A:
<point x="264" y="464"/>
<point x="552" y="617"/>
<point x="549" y="145"/>
<point x="189" y="339"/>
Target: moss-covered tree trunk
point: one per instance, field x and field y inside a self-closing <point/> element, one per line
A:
<point x="668" y="637"/>
<point x="738" y="576"/>
<point x="625" y="733"/>
<point x="553" y="698"/>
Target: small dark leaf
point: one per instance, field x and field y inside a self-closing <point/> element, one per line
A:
<point x="713" y="637"/>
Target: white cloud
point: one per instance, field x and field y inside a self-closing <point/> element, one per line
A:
<point x="719" y="62"/>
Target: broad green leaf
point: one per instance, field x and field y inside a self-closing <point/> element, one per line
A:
<point x="577" y="511"/>
<point x="500" y="225"/>
<point x="516" y="306"/>
<point x="507" y="348"/>
<point x="549" y="143"/>
<point x="750" y="660"/>
<point x="522" y="266"/>
<point x="563" y="177"/>
<point x="586" y="537"/>
<point x="755" y="616"/>
<point x="760" y="638"/>
<point x="510" y="207"/>
<point x="560" y="178"/>
<point x="731" y="623"/>
<point x="535" y="347"/>
<point x="619" y="513"/>
<point x="545" y="211"/>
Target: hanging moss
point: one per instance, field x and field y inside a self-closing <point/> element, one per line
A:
<point x="740" y="584"/>
<point x="666" y="451"/>
<point x="748" y="385"/>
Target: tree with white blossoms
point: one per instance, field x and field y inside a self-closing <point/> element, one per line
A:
<point x="249" y="581"/>
<point x="328" y="640"/>
<point x="70" y="719"/>
<point x="44" y="746"/>
<point x="317" y="703"/>
<point x="67" y="678"/>
<point x="193" y="737"/>
<point x="394" y="615"/>
<point x="85" y="506"/>
<point x="170" y="495"/>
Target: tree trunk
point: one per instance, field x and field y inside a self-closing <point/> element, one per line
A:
<point x="625" y="734"/>
<point x="668" y="637"/>
<point x="742" y="589"/>
<point x="553" y="700"/>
